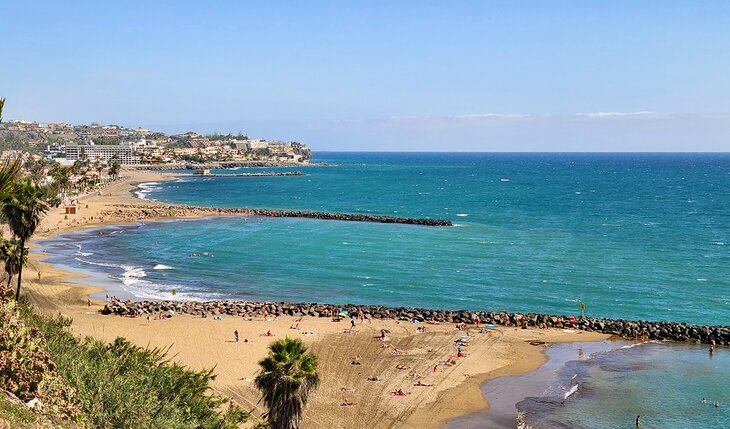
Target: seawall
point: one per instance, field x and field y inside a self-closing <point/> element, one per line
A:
<point x="630" y="329"/>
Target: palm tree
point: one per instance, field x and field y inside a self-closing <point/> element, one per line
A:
<point x="2" y="104"/>
<point x="288" y="375"/>
<point x="13" y="255"/>
<point x="114" y="169"/>
<point x="22" y="210"/>
<point x="61" y="178"/>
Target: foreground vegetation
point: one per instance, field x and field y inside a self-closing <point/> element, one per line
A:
<point x="89" y="383"/>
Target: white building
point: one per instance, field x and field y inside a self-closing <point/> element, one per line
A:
<point x="107" y="153"/>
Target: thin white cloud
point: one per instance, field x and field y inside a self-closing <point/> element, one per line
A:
<point x="492" y="116"/>
<point x="601" y="115"/>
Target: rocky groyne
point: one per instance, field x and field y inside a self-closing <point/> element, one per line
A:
<point x="351" y="217"/>
<point x="226" y="165"/>
<point x="125" y="211"/>
<point x="260" y="174"/>
<point x="669" y="331"/>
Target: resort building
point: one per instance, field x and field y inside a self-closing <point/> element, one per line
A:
<point x="107" y="153"/>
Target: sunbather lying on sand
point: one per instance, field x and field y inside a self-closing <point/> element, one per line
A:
<point x="399" y="392"/>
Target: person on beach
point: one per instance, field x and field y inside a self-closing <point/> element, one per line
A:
<point x="712" y="349"/>
<point x="345" y="400"/>
<point x="383" y="337"/>
<point x="638" y="421"/>
<point x="235" y="334"/>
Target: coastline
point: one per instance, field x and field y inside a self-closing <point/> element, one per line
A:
<point x="456" y="390"/>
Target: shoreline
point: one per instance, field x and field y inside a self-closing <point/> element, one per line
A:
<point x="456" y="391"/>
<point x="506" y="391"/>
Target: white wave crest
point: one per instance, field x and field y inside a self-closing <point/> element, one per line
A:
<point x="571" y="391"/>
<point x="162" y="267"/>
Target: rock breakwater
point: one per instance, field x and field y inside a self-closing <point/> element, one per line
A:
<point x="632" y="329"/>
<point x="134" y="211"/>
<point x="351" y="217"/>
<point x="259" y="174"/>
<point x="227" y="165"/>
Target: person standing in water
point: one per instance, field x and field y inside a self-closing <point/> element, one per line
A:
<point x="638" y="421"/>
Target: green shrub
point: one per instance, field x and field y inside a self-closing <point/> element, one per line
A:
<point x="27" y="370"/>
<point x="121" y="385"/>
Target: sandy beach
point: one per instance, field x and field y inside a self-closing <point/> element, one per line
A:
<point x="205" y="343"/>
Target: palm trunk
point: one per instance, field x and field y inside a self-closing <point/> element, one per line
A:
<point x="20" y="268"/>
<point x="10" y="278"/>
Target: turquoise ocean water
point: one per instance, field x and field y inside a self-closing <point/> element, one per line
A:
<point x="641" y="236"/>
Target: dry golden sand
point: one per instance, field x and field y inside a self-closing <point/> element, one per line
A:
<point x="206" y="343"/>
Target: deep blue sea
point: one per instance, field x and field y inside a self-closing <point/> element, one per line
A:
<point x="641" y="236"/>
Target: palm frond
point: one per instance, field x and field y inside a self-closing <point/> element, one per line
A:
<point x="9" y="173"/>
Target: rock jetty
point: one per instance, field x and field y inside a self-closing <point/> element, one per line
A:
<point x="667" y="331"/>
<point x="226" y="165"/>
<point x="352" y="217"/>
<point x="259" y="174"/>
<point x="139" y="211"/>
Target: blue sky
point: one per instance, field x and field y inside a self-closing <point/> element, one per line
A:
<point x="382" y="75"/>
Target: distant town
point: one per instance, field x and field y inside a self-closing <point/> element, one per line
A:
<point x="108" y="144"/>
